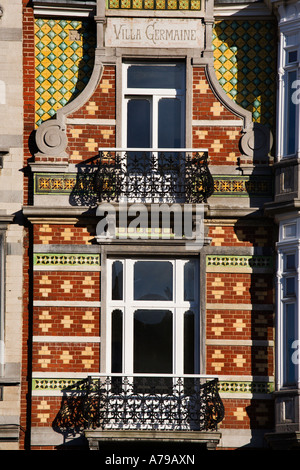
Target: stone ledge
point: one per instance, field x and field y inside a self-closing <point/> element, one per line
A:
<point x="283" y="440"/>
<point x="208" y="438"/>
<point x="9" y="432"/>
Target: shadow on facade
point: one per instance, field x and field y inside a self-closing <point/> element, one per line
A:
<point x="261" y="233"/>
<point x="83" y="192"/>
<point x="86" y="64"/>
<point x="249" y="66"/>
<point x="255" y="67"/>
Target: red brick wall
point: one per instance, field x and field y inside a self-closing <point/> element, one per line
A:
<point x="87" y="141"/>
<point x="64" y="285"/>
<point x="248" y="414"/>
<point x="239" y="324"/>
<point x="241" y="235"/>
<point x="66" y="321"/>
<point x="205" y="103"/>
<point x="102" y="103"/>
<point x="239" y="360"/>
<point x="240" y="288"/>
<point x="64" y="234"/>
<point x="66" y="357"/>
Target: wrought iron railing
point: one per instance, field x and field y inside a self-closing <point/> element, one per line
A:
<point x="160" y="402"/>
<point x="154" y="175"/>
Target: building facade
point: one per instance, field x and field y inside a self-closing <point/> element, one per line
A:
<point x="146" y="262"/>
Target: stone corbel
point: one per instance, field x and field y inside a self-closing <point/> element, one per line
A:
<point x="256" y="143"/>
<point x="51" y="138"/>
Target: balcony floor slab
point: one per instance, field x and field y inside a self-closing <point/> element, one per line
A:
<point x="209" y="439"/>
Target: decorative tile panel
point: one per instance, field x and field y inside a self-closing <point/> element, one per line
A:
<point x="47" y="259"/>
<point x="242" y="186"/>
<point x="154" y="4"/>
<point x="64" y="59"/>
<point x="245" y="64"/>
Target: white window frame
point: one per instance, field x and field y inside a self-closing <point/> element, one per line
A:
<point x="288" y="244"/>
<point x="289" y="41"/>
<point x="153" y="95"/>
<point x="178" y="306"/>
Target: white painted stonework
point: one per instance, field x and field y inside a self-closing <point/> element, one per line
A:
<point x="174" y="33"/>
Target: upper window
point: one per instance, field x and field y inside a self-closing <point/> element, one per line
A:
<point x="290" y="58"/>
<point x="154" y="105"/>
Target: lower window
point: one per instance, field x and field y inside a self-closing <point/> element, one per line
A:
<point x="153" y="316"/>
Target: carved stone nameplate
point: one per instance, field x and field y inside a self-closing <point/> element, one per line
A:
<point x="142" y="32"/>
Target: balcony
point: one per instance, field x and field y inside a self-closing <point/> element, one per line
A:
<point x="160" y="407"/>
<point x="153" y="175"/>
<point x="160" y="402"/>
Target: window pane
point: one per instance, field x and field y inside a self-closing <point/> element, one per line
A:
<point x="138" y="123"/>
<point x="169" y="123"/>
<point x="289" y="338"/>
<point x="117" y="281"/>
<point x="290" y="262"/>
<point x="291" y="39"/>
<point x="155" y="76"/>
<point x="189" y="280"/>
<point x="292" y="57"/>
<point x="116" y="340"/>
<point x="289" y="230"/>
<point x="189" y="342"/>
<point x="290" y="286"/>
<point x="153" y="280"/>
<point x="153" y="345"/>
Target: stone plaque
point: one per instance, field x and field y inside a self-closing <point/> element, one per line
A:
<point x="142" y="32"/>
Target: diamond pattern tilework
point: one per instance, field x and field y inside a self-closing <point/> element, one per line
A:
<point x="64" y="58"/>
<point x="245" y="64"/>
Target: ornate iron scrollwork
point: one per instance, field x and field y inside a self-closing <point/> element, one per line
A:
<point x="154" y="176"/>
<point x="159" y="403"/>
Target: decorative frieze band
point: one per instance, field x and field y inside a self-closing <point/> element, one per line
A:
<point x="239" y="263"/>
<point x="246" y="387"/>
<point x="66" y="183"/>
<point x="58" y="260"/>
<point x="154" y="4"/>
<point x="43" y="385"/>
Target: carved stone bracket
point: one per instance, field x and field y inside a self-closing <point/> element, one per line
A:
<point x="51" y="138"/>
<point x="257" y="142"/>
